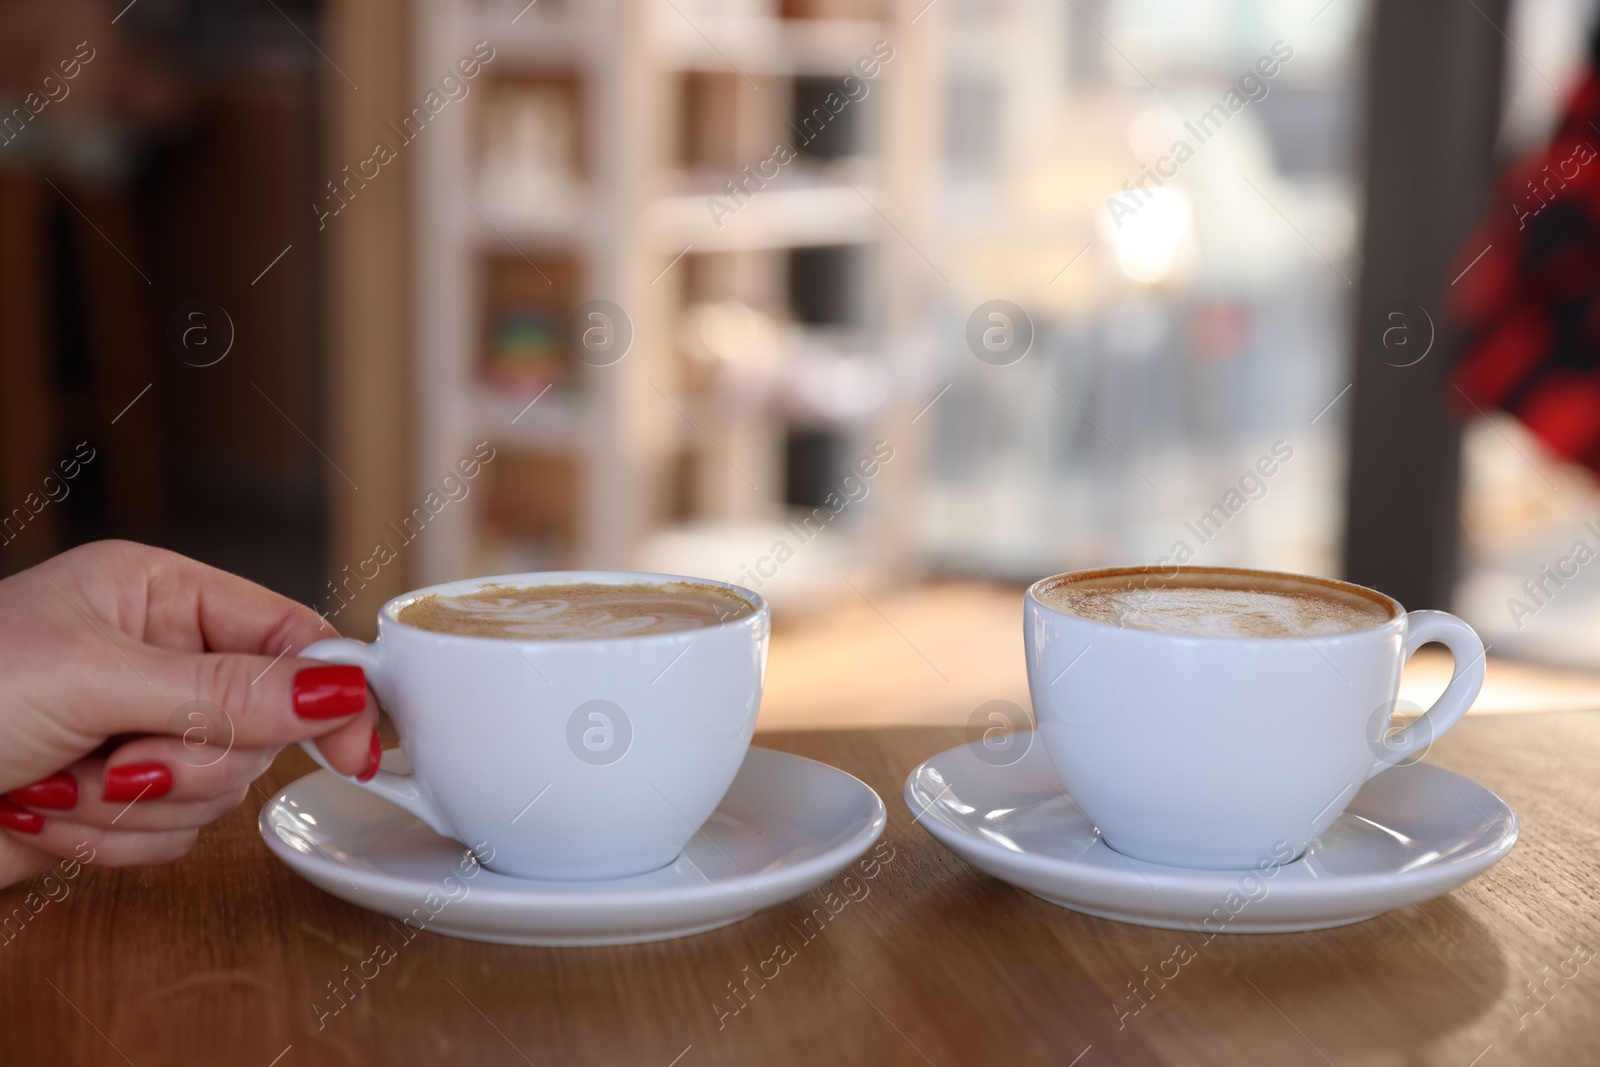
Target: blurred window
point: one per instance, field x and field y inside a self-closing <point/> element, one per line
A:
<point x="1526" y="585"/>
<point x="1169" y="194"/>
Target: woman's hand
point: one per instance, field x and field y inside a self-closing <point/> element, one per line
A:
<point x="144" y="692"/>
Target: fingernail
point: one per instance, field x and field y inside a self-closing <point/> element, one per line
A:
<point x="329" y="692"/>
<point x="137" y="781"/>
<point x="18" y="819"/>
<point x="374" y="755"/>
<point x="60" y="791"/>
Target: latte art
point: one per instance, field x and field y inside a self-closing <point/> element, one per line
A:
<point x="579" y="610"/>
<point x="1216" y="604"/>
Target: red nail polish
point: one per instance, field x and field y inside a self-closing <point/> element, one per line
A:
<point x="374" y="755"/>
<point x="59" y="791"/>
<point x="329" y="692"/>
<point x="19" y="819"/>
<point x="137" y="781"/>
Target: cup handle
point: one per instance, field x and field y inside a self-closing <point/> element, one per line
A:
<point x="1465" y="681"/>
<point x="400" y="789"/>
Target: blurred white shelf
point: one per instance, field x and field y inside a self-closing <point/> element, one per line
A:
<point x="531" y="230"/>
<point x="681" y="38"/>
<point x="542" y="40"/>
<point x="772" y="218"/>
<point x="548" y="423"/>
<point x="761" y="45"/>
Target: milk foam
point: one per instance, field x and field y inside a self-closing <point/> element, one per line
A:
<point x="1217" y="611"/>
<point x="579" y="610"/>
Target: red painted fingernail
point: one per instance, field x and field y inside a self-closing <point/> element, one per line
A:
<point x="59" y="791"/>
<point x="329" y="692"/>
<point x="19" y="819"/>
<point x="374" y="755"/>
<point x="137" y="781"/>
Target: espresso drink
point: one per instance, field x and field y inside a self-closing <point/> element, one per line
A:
<point x="585" y="609"/>
<point x="1215" y="603"/>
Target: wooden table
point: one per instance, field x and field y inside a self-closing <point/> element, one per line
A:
<point x="218" y="959"/>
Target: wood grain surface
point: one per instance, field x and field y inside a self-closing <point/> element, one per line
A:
<point x="222" y="957"/>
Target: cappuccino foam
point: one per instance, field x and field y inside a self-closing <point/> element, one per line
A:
<point x="1219" y="604"/>
<point x="578" y="610"/>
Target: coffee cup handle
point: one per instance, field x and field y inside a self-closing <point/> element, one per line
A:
<point x="1465" y="681"/>
<point x="401" y="789"/>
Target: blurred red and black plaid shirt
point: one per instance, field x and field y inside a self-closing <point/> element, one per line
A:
<point x="1531" y="303"/>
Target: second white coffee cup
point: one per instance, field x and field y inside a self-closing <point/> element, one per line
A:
<point x="568" y="759"/>
<point x="1229" y="752"/>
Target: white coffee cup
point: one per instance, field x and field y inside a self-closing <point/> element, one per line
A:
<point x="1220" y="751"/>
<point x="564" y="759"/>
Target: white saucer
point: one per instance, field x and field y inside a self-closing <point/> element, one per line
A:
<point x="786" y="825"/>
<point x="1411" y="834"/>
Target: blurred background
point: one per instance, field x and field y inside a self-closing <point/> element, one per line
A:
<point x="880" y="307"/>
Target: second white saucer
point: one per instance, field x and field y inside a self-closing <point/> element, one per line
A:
<point x="786" y="825"/>
<point x="1411" y="834"/>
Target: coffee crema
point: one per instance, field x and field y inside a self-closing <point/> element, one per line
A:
<point x="577" y="610"/>
<point x="1215" y="603"/>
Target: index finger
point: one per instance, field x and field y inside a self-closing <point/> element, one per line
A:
<point x="193" y="607"/>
